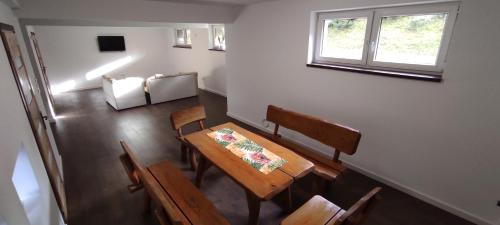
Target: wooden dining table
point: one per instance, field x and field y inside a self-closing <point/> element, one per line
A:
<point x="258" y="186"/>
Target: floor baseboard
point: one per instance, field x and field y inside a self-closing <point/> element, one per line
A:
<point x="214" y="92"/>
<point x="424" y="197"/>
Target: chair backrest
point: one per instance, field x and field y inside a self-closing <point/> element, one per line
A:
<point x="132" y="167"/>
<point x="186" y="116"/>
<point x="341" y="138"/>
<point x="167" y="207"/>
<point x="359" y="211"/>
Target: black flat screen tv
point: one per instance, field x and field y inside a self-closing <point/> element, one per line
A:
<point x="111" y="43"/>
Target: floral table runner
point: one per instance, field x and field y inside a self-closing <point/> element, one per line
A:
<point x="257" y="156"/>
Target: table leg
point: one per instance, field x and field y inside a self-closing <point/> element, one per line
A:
<point x="203" y="165"/>
<point x="253" y="208"/>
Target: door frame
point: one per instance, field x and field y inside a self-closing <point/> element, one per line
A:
<point x="43" y="68"/>
<point x="8" y="27"/>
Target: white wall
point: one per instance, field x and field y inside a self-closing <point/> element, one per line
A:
<point x="210" y="65"/>
<point x="70" y="53"/>
<point x="126" y="10"/>
<point x="16" y="134"/>
<point x="437" y="141"/>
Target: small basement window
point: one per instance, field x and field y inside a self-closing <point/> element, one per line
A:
<point x="409" y="40"/>
<point x="182" y="38"/>
<point x="217" y="37"/>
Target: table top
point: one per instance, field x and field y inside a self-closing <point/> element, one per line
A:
<point x="296" y="165"/>
<point x="264" y="186"/>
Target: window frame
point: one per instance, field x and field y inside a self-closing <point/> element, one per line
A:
<point x="212" y="37"/>
<point x="373" y="30"/>
<point x="414" y="10"/>
<point x="322" y="17"/>
<point x="185" y="38"/>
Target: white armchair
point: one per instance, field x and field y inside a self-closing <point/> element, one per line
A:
<point x="164" y="88"/>
<point x="125" y="92"/>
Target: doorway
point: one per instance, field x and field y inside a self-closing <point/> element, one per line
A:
<point x="36" y="120"/>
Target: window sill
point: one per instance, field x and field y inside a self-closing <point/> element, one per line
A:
<point x="216" y="49"/>
<point x="182" y="46"/>
<point x="387" y="73"/>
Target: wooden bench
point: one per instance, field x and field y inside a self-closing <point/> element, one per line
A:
<point x="167" y="211"/>
<point x="319" y="211"/>
<point x="341" y="138"/>
<point x="181" y="118"/>
<point x="177" y="200"/>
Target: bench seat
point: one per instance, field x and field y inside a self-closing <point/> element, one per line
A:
<point x="316" y="211"/>
<point x="177" y="200"/>
<point x="193" y="204"/>
<point x="340" y="138"/>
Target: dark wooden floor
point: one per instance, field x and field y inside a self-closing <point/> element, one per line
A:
<point x="88" y="133"/>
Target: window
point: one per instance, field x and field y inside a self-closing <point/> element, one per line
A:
<point x="218" y="37"/>
<point x="182" y="38"/>
<point x="409" y="39"/>
<point x="27" y="188"/>
<point x="343" y="36"/>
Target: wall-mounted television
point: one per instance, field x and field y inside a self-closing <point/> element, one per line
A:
<point x="111" y="43"/>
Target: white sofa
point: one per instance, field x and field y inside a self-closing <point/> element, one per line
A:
<point x="164" y="88"/>
<point x="123" y="93"/>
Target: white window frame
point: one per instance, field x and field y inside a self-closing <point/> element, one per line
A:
<point x="415" y="10"/>
<point x="322" y="17"/>
<point x="212" y="36"/>
<point x="373" y="28"/>
<point x="185" y="38"/>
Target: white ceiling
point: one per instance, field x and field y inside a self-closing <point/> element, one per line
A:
<point x="216" y="2"/>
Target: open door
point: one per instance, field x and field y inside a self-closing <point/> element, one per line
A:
<point x="45" y="80"/>
<point x="34" y="115"/>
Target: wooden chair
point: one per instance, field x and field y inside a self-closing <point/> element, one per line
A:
<point x="342" y="139"/>
<point x="182" y="118"/>
<point x="359" y="211"/>
<point x="319" y="211"/>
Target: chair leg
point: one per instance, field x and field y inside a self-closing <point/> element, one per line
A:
<point x="183" y="152"/>
<point x="202" y="167"/>
<point x="159" y="216"/>
<point x="319" y="186"/>
<point x="192" y="159"/>
<point x="289" y="199"/>
<point x="147" y="203"/>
